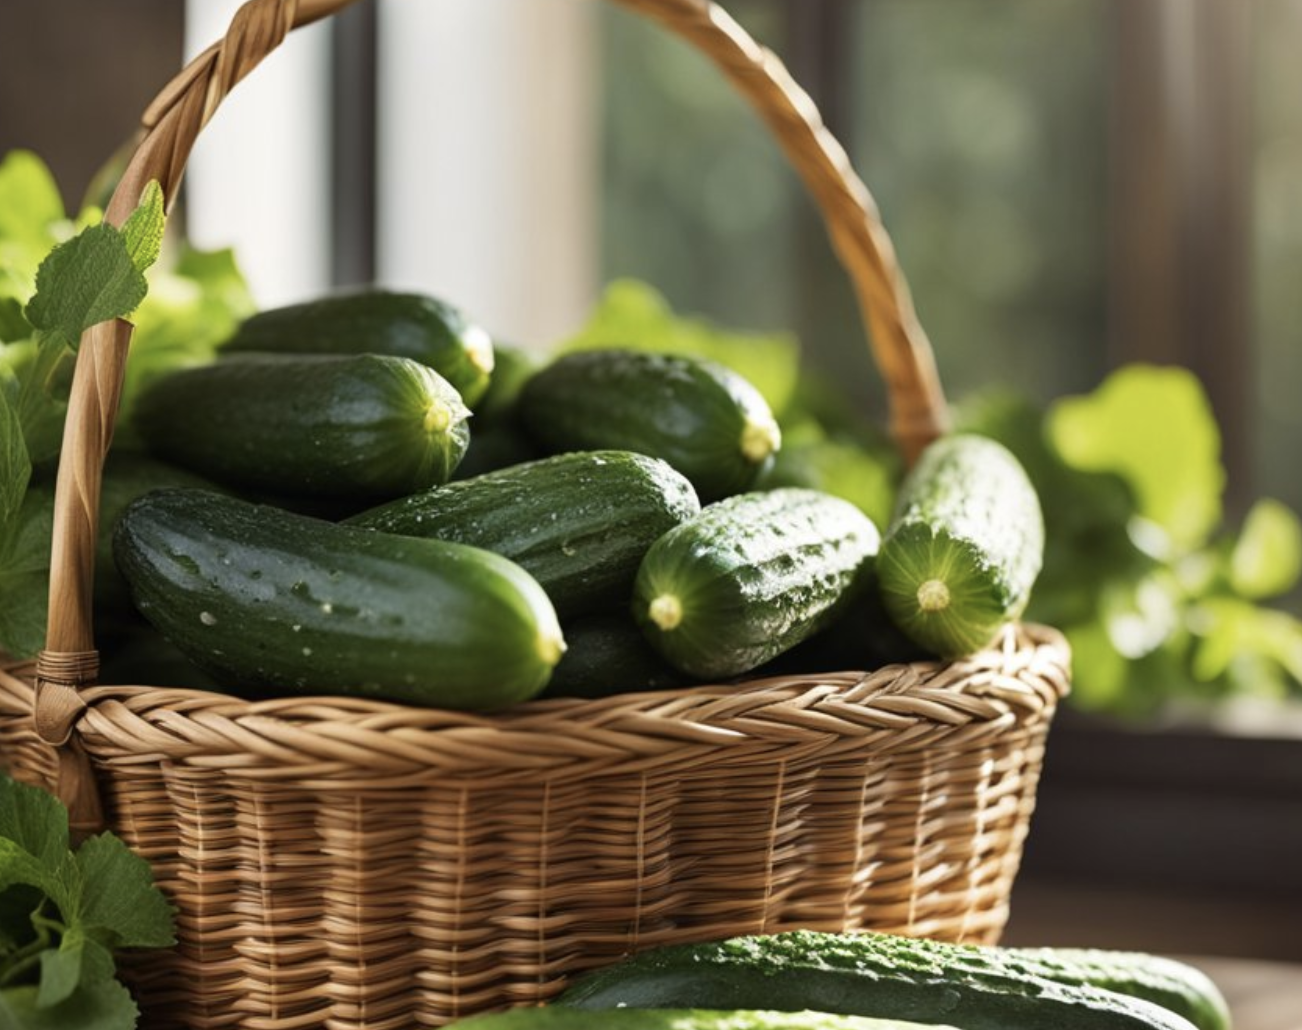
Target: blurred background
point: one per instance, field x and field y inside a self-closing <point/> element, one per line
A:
<point x="1072" y="185"/>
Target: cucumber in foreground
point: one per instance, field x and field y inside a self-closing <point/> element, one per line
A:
<point x="964" y="546"/>
<point x="750" y="577"/>
<point x="314" y="425"/>
<point x="267" y="600"/>
<point x="556" y="1018"/>
<point x="1175" y="985"/>
<point x="705" y="420"/>
<point x="578" y="523"/>
<point x="866" y="974"/>
<point x="373" y="321"/>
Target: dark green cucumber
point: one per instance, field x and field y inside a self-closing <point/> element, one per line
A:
<point x="1175" y="985"/>
<point x="374" y="321"/>
<point x="964" y="546"/>
<point x="265" y="599"/>
<point x="705" y="420"/>
<point x="560" y="1018"/>
<point x="324" y="426"/>
<point x="750" y="577"/>
<point x="607" y="654"/>
<point x="579" y="523"/>
<point x="128" y="475"/>
<point x="498" y="439"/>
<point x="865" y="974"/>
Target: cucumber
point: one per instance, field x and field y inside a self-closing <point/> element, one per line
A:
<point x="264" y="599"/>
<point x="750" y="577"/>
<point x="558" y="1018"/>
<point x="705" y="420"/>
<point x="325" y="426"/>
<point x="607" y="654"/>
<point x="964" y="546"/>
<point x="578" y="523"/>
<point x="867" y="974"/>
<point x="1175" y="985"/>
<point x="376" y="321"/>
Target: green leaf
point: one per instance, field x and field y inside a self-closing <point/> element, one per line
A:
<point x="632" y="314"/>
<point x="13" y="326"/>
<point x="1228" y="629"/>
<point x="1267" y="557"/>
<point x="34" y="821"/>
<point x="15" y="465"/>
<point x="85" y="281"/>
<point x="60" y="970"/>
<point x="143" y="230"/>
<point x="1155" y="428"/>
<point x="97" y="1005"/>
<point x="29" y="201"/>
<point x="119" y="896"/>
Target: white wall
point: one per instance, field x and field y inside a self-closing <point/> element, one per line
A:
<point x="487" y="175"/>
<point x="488" y="165"/>
<point x="256" y="179"/>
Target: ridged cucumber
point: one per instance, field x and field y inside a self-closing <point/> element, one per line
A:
<point x="264" y="599"/>
<point x="558" y="1018"/>
<point x="1171" y="983"/>
<point x="750" y="577"/>
<point x="377" y="321"/>
<point x="868" y="974"/>
<point x="705" y="420"/>
<point x="318" y="425"/>
<point x="578" y="523"/>
<point x="964" y="545"/>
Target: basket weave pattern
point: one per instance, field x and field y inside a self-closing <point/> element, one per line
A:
<point x="389" y="867"/>
<point x="361" y="865"/>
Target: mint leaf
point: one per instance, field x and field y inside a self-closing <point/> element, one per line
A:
<point x="96" y="1005"/>
<point x="29" y="201"/>
<point x="33" y="821"/>
<point x="15" y="465"/>
<point x="1155" y="428"/>
<point x="1267" y="557"/>
<point x="143" y="231"/>
<point x="87" y="280"/>
<point x="120" y="904"/>
<point x="60" y="970"/>
<point x="13" y="326"/>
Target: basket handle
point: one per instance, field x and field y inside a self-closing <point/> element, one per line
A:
<point x="162" y="145"/>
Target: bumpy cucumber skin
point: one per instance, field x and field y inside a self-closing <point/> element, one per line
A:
<point x="967" y="516"/>
<point x="557" y="1018"/>
<point x="317" y="425"/>
<point x="579" y="523"/>
<point x="1175" y="985"/>
<point x="864" y="974"/>
<point x="267" y="600"/>
<point x="405" y="325"/>
<point x="752" y="576"/>
<point x="705" y="420"/>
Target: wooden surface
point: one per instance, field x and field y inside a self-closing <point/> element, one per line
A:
<point x="1262" y="995"/>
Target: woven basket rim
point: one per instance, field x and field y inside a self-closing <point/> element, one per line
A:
<point x="899" y="707"/>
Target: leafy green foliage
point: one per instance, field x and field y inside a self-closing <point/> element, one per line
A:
<point x="63" y="915"/>
<point x="59" y="275"/>
<point x="1160" y="599"/>
<point x="633" y="314"/>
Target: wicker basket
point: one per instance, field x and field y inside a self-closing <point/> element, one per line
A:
<point x="355" y="864"/>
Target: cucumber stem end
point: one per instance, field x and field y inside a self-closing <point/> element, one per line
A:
<point x="666" y="611"/>
<point x="933" y="596"/>
<point x="759" y="439"/>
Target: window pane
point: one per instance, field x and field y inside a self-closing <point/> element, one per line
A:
<point x="1277" y="249"/>
<point x="983" y="138"/>
<point x="697" y="197"/>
